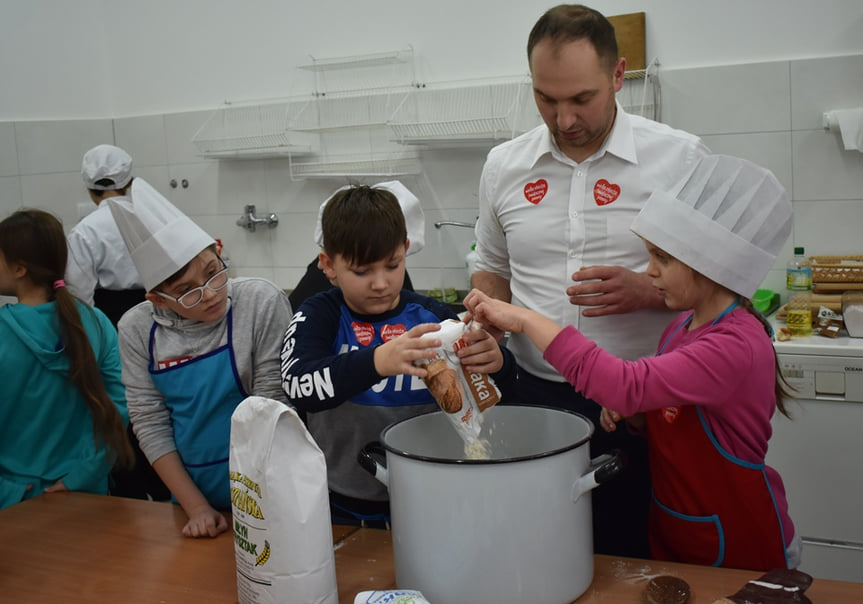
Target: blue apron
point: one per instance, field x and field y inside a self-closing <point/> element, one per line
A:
<point x="201" y="395"/>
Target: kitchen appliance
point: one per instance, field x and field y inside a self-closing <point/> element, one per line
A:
<point x="511" y="529"/>
<point x="819" y="451"/>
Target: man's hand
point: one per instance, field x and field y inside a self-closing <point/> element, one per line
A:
<point x="612" y="290"/>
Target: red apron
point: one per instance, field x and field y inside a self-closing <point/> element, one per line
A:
<point x="708" y="506"/>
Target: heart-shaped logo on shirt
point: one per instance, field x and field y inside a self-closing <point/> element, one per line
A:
<point x="390" y="332"/>
<point x="364" y="332"/>
<point x="535" y="191"/>
<point x="604" y="192"/>
<point x="670" y="414"/>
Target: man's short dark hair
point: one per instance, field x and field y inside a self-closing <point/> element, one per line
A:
<point x="571" y="22"/>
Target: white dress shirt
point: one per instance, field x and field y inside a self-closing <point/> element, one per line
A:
<point x="98" y="257"/>
<point x="542" y="217"/>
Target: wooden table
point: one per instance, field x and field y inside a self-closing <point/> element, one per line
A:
<point x="77" y="548"/>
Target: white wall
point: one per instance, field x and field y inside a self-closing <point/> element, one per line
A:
<point x="110" y="58"/>
<point x="758" y="98"/>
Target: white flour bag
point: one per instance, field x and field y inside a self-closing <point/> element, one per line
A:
<point x="283" y="538"/>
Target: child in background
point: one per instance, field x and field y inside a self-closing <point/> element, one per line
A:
<point x="708" y="395"/>
<point x="191" y="352"/>
<point x="62" y="414"/>
<point x="348" y="355"/>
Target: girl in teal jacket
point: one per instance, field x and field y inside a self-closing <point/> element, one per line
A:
<point x="62" y="404"/>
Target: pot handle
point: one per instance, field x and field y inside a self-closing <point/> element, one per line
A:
<point x="376" y="468"/>
<point x="601" y="470"/>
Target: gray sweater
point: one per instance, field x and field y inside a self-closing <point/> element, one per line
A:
<point x="261" y="313"/>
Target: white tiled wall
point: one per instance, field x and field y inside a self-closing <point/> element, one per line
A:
<point x="769" y="113"/>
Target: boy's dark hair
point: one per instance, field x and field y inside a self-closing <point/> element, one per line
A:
<point x="363" y="225"/>
<point x="571" y="22"/>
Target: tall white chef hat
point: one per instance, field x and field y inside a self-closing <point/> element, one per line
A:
<point x="108" y="164"/>
<point x="727" y="219"/>
<point x="161" y="239"/>
<point x="415" y="220"/>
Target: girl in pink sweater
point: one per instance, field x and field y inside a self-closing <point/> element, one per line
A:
<point x="705" y="400"/>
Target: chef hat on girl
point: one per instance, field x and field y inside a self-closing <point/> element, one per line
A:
<point x="727" y="219"/>
<point x="415" y="220"/>
<point x="161" y="239"/>
<point x="106" y="167"/>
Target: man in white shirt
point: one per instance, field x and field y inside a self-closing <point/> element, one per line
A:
<point x="555" y="207"/>
<point x="100" y="270"/>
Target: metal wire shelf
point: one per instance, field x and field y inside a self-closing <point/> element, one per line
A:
<point x="378" y="165"/>
<point x="251" y="130"/>
<point x="462" y="112"/>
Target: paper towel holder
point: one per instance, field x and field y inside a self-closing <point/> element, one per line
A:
<point x="848" y="123"/>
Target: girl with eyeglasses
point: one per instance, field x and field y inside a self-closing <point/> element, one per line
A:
<point x="198" y="346"/>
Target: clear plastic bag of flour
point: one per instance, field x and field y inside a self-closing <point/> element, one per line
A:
<point x="283" y="539"/>
<point x="461" y="395"/>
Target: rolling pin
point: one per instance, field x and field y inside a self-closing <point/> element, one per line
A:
<point x="831" y="301"/>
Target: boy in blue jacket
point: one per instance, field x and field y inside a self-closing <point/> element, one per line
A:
<point x="348" y="354"/>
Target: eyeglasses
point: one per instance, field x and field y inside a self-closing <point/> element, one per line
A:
<point x="194" y="296"/>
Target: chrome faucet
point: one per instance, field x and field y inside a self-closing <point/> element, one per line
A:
<point x="440" y="223"/>
<point x="249" y="221"/>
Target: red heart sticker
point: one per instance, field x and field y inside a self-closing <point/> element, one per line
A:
<point x="670" y="414"/>
<point x="535" y="191"/>
<point x="390" y="332"/>
<point x="604" y="192"/>
<point x="364" y="331"/>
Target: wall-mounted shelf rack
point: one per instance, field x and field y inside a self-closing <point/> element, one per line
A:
<point x="641" y="93"/>
<point x="254" y="130"/>
<point x="464" y="112"/>
<point x="345" y="129"/>
<point x="365" y="73"/>
<point x="347" y="165"/>
<point x="359" y="110"/>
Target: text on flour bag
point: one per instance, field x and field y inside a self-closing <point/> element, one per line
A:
<point x="283" y="537"/>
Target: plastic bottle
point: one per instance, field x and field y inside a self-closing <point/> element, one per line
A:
<point x="798" y="314"/>
<point x="471" y="260"/>
<point x="798" y="274"/>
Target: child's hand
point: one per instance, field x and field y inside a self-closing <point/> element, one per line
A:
<point x="482" y="354"/>
<point x="494" y="313"/>
<point x="57" y="487"/>
<point x="205" y="522"/>
<point x="608" y="419"/>
<point x="398" y="355"/>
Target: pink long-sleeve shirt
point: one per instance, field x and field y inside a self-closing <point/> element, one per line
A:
<point x="728" y="369"/>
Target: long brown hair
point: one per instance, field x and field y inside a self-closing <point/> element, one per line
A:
<point x="35" y="240"/>
<point x="782" y="389"/>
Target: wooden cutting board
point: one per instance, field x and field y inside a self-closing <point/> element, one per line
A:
<point x="629" y="30"/>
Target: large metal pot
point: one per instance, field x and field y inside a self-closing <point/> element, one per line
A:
<point x="515" y="528"/>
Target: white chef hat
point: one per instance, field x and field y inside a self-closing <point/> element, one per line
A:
<point x="106" y="162"/>
<point x="161" y="239"/>
<point x="415" y="220"/>
<point x="727" y="219"/>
